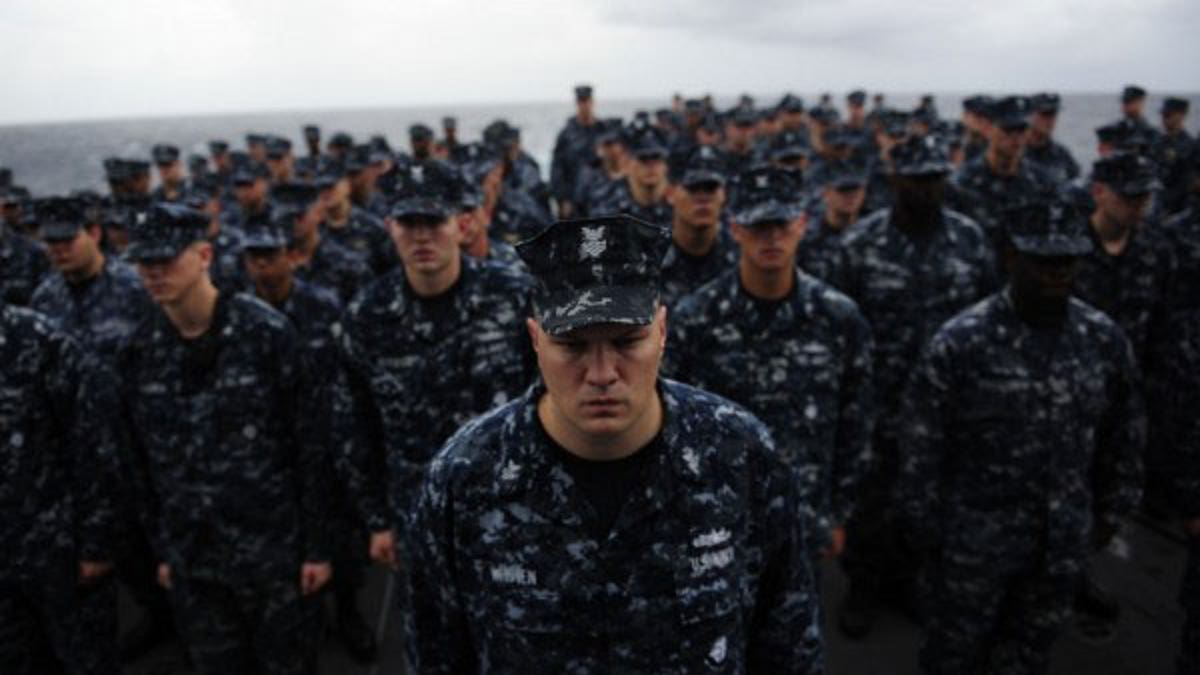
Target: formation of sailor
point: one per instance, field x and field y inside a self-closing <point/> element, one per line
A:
<point x="610" y="420"/>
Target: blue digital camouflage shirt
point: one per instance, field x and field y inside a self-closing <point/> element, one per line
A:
<point x="417" y="370"/>
<point x="982" y="195"/>
<point x="366" y="235"/>
<point x="337" y="268"/>
<point x="233" y="485"/>
<point x="683" y="273"/>
<point x="705" y="570"/>
<point x="58" y="446"/>
<point x="906" y="288"/>
<point x="1017" y="441"/>
<point x="102" y="312"/>
<point x="801" y="364"/>
<point x="23" y="264"/>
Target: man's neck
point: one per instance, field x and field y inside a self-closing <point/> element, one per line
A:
<point x="338" y="216"/>
<point x="773" y="284"/>
<point x="696" y="241"/>
<point x="1113" y="236"/>
<point x="1002" y="165"/>
<point x="275" y="294"/>
<point x="192" y="315"/>
<point x="86" y="274"/>
<point x="600" y="448"/>
<point x="428" y="285"/>
<point x="647" y="195"/>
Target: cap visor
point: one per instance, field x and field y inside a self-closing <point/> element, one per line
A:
<point x="570" y="310"/>
<point x="145" y="252"/>
<point x="421" y="206"/>
<point x="1052" y="246"/>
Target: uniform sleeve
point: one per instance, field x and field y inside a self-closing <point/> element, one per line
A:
<point x="355" y="428"/>
<point x="785" y="631"/>
<point x="922" y="441"/>
<point x="84" y="396"/>
<point x="298" y="389"/>
<point x="1120" y="442"/>
<point x="856" y="421"/>
<point x="134" y="461"/>
<point x="562" y="179"/>
<point x="438" y="638"/>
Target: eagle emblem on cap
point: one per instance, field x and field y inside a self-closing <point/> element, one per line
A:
<point x="593" y="243"/>
<point x="418" y="174"/>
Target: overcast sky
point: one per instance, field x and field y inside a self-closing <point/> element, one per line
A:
<point x="122" y="58"/>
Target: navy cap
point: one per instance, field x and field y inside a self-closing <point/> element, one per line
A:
<point x="583" y="92"/>
<point x="977" y="104"/>
<point x="1124" y="133"/>
<point x="253" y="139"/>
<point x="197" y="164"/>
<point x="767" y="194"/>
<point x="312" y="132"/>
<point x="471" y="197"/>
<point x="1132" y="92"/>
<point x="500" y="134"/>
<point x="612" y="130"/>
<point x="114" y="170"/>
<point x="921" y="156"/>
<point x="341" y="139"/>
<point x="475" y="160"/>
<point x="856" y="97"/>
<point x="843" y="136"/>
<point x="791" y="103"/>
<point x="788" y="145"/>
<point x="166" y="231"/>
<point x="1010" y="112"/>
<point x="894" y="123"/>
<point x="743" y="117"/>
<point x="329" y="171"/>
<point x="164" y="154"/>
<point x="645" y="141"/>
<point x="1175" y="104"/>
<point x="357" y="159"/>
<point x="704" y="164"/>
<point x="449" y="123"/>
<point x="218" y="147"/>
<point x="59" y="217"/>
<point x="420" y="132"/>
<point x="1045" y="102"/>
<point x="247" y="172"/>
<point x="1127" y="173"/>
<point x="262" y="231"/>
<point x="278" y="147"/>
<point x="1051" y="228"/>
<point x="595" y="271"/>
<point x="6" y="176"/>
<point x="845" y="175"/>
<point x="695" y="106"/>
<point x="429" y="188"/>
<point x="294" y="194"/>
<point x="824" y="114"/>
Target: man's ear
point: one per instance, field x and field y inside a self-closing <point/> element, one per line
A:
<point x="661" y="320"/>
<point x="534" y="333"/>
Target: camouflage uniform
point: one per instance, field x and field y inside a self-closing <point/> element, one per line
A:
<point x="1054" y="423"/>
<point x="822" y="251"/>
<point x="102" y="312"/>
<point x="366" y="235"/>
<point x="337" y="268"/>
<point x="983" y="196"/>
<point x="231" y="481"/>
<point x="705" y="570"/>
<point x="1054" y="161"/>
<point x="615" y="197"/>
<point x="23" y="264"/>
<point x="517" y="216"/>
<point x="55" y="508"/>
<point x="683" y="273"/>
<point x="226" y="270"/>
<point x="906" y="289"/>
<point x="801" y="365"/>
<point x="574" y="148"/>
<point x="417" y="370"/>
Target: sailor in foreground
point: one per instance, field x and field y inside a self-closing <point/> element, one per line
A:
<point x="609" y="520"/>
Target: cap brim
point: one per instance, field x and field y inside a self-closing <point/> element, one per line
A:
<point x="773" y="211"/>
<point x="145" y="251"/>
<point x="60" y="231"/>
<point x="570" y="310"/>
<point x="421" y="206"/>
<point x="1139" y="187"/>
<point x="701" y="177"/>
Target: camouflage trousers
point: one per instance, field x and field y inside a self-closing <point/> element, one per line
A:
<point x="1189" y="598"/>
<point x="259" y="627"/>
<point x="52" y="624"/>
<point x="995" y="616"/>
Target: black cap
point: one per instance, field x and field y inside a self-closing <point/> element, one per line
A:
<point x="977" y="104"/>
<point x="695" y="106"/>
<point x="501" y="135"/>
<point x="312" y="132"/>
<point x="1010" y="112"/>
<point x="645" y="141"/>
<point x="595" y="271"/>
<point x="166" y="231"/>
<point x="419" y="132"/>
<point x="845" y="175"/>
<point x="429" y="188"/>
<point x="704" y="164"/>
<point x="791" y="103"/>
<point x="1132" y="92"/>
<point x="767" y="194"/>
<point x="59" y="217"/>
<point x="1045" y="102"/>
<point x="449" y="122"/>
<point x="788" y="145"/>
<point x="218" y="147"/>
<point x="612" y="130"/>
<point x="1124" y="134"/>
<point x="1127" y="173"/>
<point x="262" y="231"/>
<point x="894" y="123"/>
<point x="1175" y="104"/>
<point x="253" y="139"/>
<point x="824" y="114"/>
<point x="329" y="171"/>
<point x="856" y="97"/>
<point x="247" y="172"/>
<point x="921" y="156"/>
<point x="341" y="139"/>
<point x="164" y="154"/>
<point x="197" y="164"/>
<point x="294" y="194"/>
<point x="583" y="92"/>
<point x="475" y="160"/>
<point x="278" y="147"/>
<point x="1049" y="228"/>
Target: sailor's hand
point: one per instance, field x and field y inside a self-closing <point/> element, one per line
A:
<point x="91" y="571"/>
<point x="314" y="575"/>
<point x="383" y="548"/>
<point x="837" y="542"/>
<point x="164" y="575"/>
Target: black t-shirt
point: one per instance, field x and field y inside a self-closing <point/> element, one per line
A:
<point x="606" y="484"/>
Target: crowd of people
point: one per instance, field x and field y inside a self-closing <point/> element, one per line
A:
<point x="611" y="418"/>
